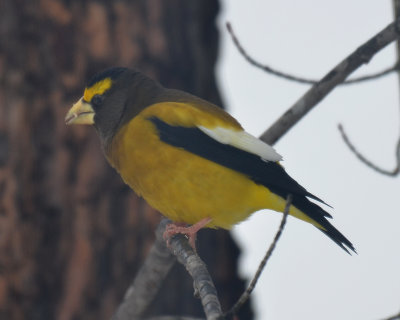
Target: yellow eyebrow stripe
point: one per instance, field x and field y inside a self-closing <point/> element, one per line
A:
<point x="98" y="88"/>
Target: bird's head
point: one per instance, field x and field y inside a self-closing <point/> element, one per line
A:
<point x="111" y="98"/>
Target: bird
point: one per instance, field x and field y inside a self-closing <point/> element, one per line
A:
<point x="188" y="158"/>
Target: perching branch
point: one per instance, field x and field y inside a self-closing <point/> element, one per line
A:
<point x="149" y="279"/>
<point x="156" y="267"/>
<point x="294" y="78"/>
<point x="246" y="295"/>
<point x="337" y="75"/>
<point x="203" y="284"/>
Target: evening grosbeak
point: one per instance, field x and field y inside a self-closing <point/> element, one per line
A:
<point x="188" y="158"/>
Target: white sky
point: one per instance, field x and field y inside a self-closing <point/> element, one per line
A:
<point x="309" y="277"/>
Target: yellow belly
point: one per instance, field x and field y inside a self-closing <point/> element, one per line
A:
<point x="183" y="186"/>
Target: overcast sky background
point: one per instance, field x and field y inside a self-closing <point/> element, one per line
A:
<point x="309" y="276"/>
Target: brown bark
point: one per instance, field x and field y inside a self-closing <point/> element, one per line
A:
<point x="72" y="235"/>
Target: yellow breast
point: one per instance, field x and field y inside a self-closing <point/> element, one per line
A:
<point x="182" y="186"/>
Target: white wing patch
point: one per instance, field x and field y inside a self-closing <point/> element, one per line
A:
<point x="244" y="141"/>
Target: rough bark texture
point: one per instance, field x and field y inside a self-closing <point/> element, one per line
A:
<point x="72" y="235"/>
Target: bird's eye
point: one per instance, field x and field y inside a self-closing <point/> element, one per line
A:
<point x="97" y="100"/>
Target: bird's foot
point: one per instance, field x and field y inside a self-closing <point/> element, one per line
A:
<point x="189" y="231"/>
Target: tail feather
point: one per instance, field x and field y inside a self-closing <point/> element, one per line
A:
<point x="339" y="239"/>
<point x="317" y="214"/>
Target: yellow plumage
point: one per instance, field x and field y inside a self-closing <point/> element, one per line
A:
<point x="183" y="186"/>
<point x="189" y="159"/>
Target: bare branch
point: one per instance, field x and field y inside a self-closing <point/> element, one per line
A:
<point x="367" y="162"/>
<point x="394" y="317"/>
<point x="373" y="76"/>
<point x="203" y="284"/>
<point x="336" y="76"/>
<point x="298" y="79"/>
<point x="363" y="159"/>
<point x="156" y="267"/>
<point x="149" y="279"/>
<point x="246" y="295"/>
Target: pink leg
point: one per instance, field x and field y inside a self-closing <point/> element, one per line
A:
<point x="190" y="232"/>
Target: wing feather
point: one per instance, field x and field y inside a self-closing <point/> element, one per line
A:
<point x="244" y="141"/>
<point x="268" y="173"/>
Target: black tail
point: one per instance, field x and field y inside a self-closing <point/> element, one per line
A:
<point x="316" y="213"/>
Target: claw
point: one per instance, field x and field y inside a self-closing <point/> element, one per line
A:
<point x="189" y="231"/>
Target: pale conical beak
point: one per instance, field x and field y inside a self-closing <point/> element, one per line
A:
<point x="80" y="113"/>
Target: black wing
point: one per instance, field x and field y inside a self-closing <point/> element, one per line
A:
<point x="267" y="173"/>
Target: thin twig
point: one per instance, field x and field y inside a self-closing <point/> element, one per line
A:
<point x="298" y="79"/>
<point x="202" y="281"/>
<point x="149" y="279"/>
<point x="367" y="162"/>
<point x="336" y="76"/>
<point x="363" y="159"/>
<point x="394" y="317"/>
<point x="246" y="295"/>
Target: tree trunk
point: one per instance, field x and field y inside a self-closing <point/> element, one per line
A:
<point x="72" y="235"/>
